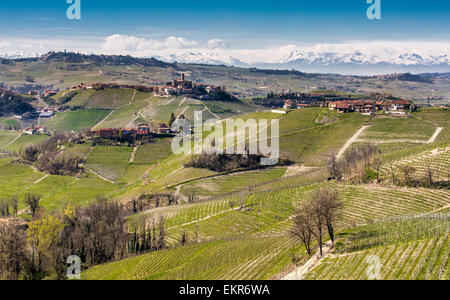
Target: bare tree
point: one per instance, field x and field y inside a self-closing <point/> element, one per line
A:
<point x="334" y="168"/>
<point x="330" y="206"/>
<point x="392" y="169"/>
<point x="15" y="205"/>
<point x="33" y="203"/>
<point x="408" y="171"/>
<point x="377" y="164"/>
<point x="303" y="228"/>
<point x="429" y="173"/>
<point x="14" y="255"/>
<point x="315" y="213"/>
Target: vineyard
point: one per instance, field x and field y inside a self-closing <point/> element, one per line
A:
<point x="127" y="115"/>
<point x="435" y="162"/>
<point x="408" y="248"/>
<point x="231" y="183"/>
<point x="110" y="98"/>
<point x="249" y="259"/>
<point x="239" y="225"/>
<point x="399" y="129"/>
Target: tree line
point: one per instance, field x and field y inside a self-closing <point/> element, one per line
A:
<point x="97" y="233"/>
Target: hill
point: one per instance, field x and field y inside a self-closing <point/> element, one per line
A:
<point x="11" y="103"/>
<point x="64" y="70"/>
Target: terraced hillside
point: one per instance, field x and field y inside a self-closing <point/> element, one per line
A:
<point x="111" y="98"/>
<point x="432" y="161"/>
<point x="405" y="249"/>
<point x="261" y="216"/>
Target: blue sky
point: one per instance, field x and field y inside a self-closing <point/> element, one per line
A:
<point x="240" y="21"/>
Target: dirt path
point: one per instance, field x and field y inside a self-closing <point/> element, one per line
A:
<point x="182" y="112"/>
<point x="98" y="124"/>
<point x="133" y="155"/>
<point x="96" y="174"/>
<point x="351" y="141"/>
<point x="39" y="180"/>
<point x="296" y="170"/>
<point x="435" y="135"/>
<point x="301" y="272"/>
<point x="431" y="140"/>
<point x="15" y="139"/>
<point x="207" y="109"/>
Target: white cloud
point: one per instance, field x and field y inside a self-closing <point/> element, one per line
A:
<point x="129" y="44"/>
<point x="217" y="43"/>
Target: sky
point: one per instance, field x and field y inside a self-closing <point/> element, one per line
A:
<point x="162" y="28"/>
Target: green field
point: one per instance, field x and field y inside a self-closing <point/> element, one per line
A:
<point x="9" y="123"/>
<point x="16" y="178"/>
<point x="75" y="120"/>
<point x="26" y="140"/>
<point x="7" y="136"/>
<point x="109" y="162"/>
<point x="81" y="98"/>
<point x="153" y="152"/>
<point x="248" y="259"/>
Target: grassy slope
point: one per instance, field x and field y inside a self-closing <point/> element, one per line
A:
<point x="75" y="120"/>
<point x="25" y="140"/>
<point x="313" y="146"/>
<point x="110" y="162"/>
<point x="7" y="137"/>
<point x="9" y="122"/>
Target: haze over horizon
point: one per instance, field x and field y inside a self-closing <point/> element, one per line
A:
<point x="331" y="36"/>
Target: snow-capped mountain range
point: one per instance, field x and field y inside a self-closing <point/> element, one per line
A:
<point x="358" y="58"/>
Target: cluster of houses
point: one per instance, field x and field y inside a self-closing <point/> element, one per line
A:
<point x="35" y="130"/>
<point x="371" y="107"/>
<point x="360" y="106"/>
<point x="111" y="133"/>
<point x="46" y="93"/>
<point x="141" y="130"/>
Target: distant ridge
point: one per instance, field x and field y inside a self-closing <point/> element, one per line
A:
<point x="76" y="58"/>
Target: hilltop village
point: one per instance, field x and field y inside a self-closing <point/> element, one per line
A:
<point x="177" y="87"/>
